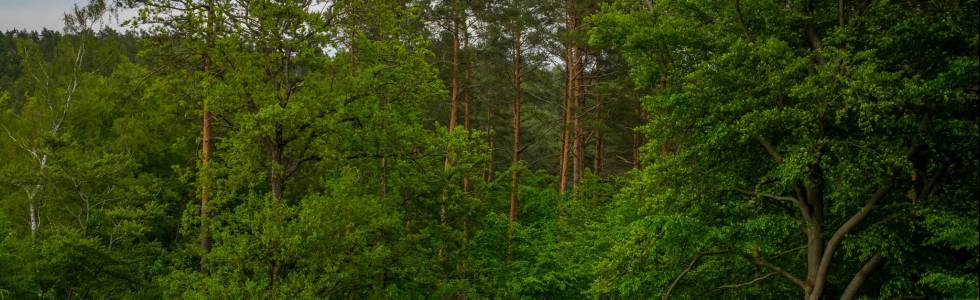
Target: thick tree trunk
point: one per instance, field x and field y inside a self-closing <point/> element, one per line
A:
<point x="515" y="175"/>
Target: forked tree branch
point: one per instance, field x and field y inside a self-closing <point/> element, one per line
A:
<point x="847" y="227"/>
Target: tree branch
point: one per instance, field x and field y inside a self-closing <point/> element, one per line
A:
<point x="690" y="267"/>
<point x="750" y="282"/>
<point x="741" y="20"/>
<point x="295" y="165"/>
<point x="847" y="227"/>
<point x="804" y="209"/>
<point x="930" y="184"/>
<point x="869" y="266"/>
<point x="770" y="196"/>
<point x="813" y="38"/>
<point x="759" y="261"/>
<point x="770" y="148"/>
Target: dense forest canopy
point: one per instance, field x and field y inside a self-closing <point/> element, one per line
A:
<point x="471" y="149"/>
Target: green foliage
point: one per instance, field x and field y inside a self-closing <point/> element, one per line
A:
<point x="332" y="173"/>
<point x="870" y="101"/>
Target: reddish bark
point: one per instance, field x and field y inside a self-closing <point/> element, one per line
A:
<point x="515" y="175"/>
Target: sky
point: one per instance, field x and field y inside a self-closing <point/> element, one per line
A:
<point x="37" y="14"/>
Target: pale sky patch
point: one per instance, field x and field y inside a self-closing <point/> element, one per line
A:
<point x="39" y="14"/>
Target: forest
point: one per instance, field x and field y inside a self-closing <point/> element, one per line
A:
<point x="504" y="149"/>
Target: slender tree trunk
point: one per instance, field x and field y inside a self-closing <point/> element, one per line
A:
<point x="597" y="162"/>
<point x="490" y="175"/>
<point x="276" y="176"/>
<point x="454" y="85"/>
<point x="565" y="140"/>
<point x="515" y="176"/>
<point x="578" y="157"/>
<point x="34" y="211"/>
<point x="276" y="185"/>
<point x="577" y="96"/>
<point x="567" y="126"/>
<point x="467" y="84"/>
<point x="206" y="241"/>
<point x="35" y="218"/>
<point x="453" y="113"/>
<point x="205" y="186"/>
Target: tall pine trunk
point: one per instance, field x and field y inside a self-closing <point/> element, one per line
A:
<point x="454" y="85"/>
<point x="578" y="165"/>
<point x="489" y="175"/>
<point x="206" y="241"/>
<point x="567" y="126"/>
<point x="574" y="95"/>
<point x="515" y="175"/>
<point x="467" y="83"/>
<point x="597" y="161"/>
